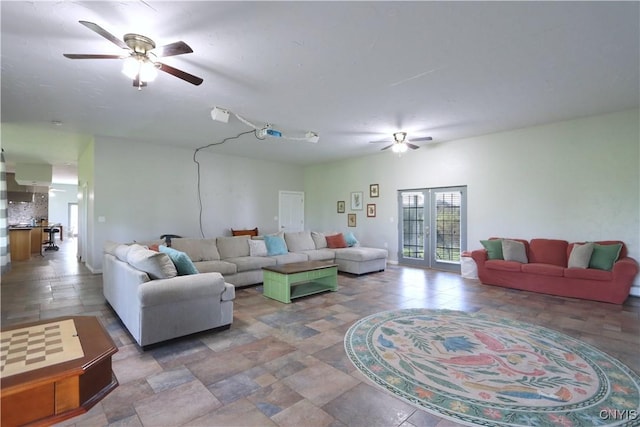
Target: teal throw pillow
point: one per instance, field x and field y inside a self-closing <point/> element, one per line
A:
<point x="494" y="248"/>
<point x="350" y="239"/>
<point x="604" y="256"/>
<point x="181" y="260"/>
<point x="275" y="245"/>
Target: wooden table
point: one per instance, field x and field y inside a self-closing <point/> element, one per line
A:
<point x="285" y="282"/>
<point x="51" y="394"/>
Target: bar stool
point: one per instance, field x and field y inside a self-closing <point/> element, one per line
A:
<point x="51" y="243"/>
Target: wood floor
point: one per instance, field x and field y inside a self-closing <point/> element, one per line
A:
<point x="284" y="364"/>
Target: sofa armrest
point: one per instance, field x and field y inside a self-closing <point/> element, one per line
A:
<point x="181" y="288"/>
<point x="625" y="270"/>
<point x="479" y="256"/>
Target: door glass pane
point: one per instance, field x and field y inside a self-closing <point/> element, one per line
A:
<point x="447" y="225"/>
<point x="413" y="225"/>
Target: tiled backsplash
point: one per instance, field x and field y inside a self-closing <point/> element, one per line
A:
<point x="24" y="212"/>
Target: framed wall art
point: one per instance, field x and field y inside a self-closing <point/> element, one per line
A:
<point x="341" y="206"/>
<point x="356" y="201"/>
<point x="351" y="220"/>
<point x="374" y="190"/>
<point x="371" y="210"/>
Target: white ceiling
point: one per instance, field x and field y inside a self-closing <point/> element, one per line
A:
<point x="351" y="71"/>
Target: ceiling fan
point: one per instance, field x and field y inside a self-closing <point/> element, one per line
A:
<point x="140" y="63"/>
<point x="400" y="143"/>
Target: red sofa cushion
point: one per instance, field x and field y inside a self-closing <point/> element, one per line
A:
<point x="543" y="269"/>
<point x="548" y="251"/>
<point x="588" y="273"/>
<point x="499" y="264"/>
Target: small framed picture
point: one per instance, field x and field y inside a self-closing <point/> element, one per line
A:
<point x="351" y="220"/>
<point x="341" y="206"/>
<point x="371" y="210"/>
<point x="374" y="190"/>
<point x="356" y="201"/>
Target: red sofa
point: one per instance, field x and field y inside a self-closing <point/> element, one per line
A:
<point x="546" y="272"/>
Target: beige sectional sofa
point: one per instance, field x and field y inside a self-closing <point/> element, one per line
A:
<point x="231" y="256"/>
<point x="154" y="303"/>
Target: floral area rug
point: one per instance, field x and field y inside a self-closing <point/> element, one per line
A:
<point x="478" y="370"/>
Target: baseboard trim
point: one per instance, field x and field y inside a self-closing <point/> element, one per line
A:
<point x="93" y="270"/>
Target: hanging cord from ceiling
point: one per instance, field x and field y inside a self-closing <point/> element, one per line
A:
<point x="258" y="133"/>
<point x="195" y="153"/>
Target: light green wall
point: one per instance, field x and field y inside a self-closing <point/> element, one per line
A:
<point x="574" y="180"/>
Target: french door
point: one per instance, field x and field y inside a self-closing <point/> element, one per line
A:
<point x="432" y="227"/>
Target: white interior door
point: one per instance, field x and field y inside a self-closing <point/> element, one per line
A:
<point x="291" y="211"/>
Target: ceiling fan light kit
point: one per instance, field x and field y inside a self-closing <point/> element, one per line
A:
<point x="400" y="136"/>
<point x="140" y="64"/>
<point x="400" y="143"/>
<point x="137" y="66"/>
<point x="399" y="147"/>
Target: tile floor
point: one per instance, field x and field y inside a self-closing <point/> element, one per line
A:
<point x="284" y="364"/>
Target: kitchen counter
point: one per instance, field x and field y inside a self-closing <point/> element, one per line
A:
<point x="27" y="240"/>
<point x="20" y="241"/>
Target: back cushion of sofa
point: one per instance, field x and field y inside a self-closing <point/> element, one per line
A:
<point x="121" y="251"/>
<point x="548" y="251"/>
<point x="156" y="264"/>
<point x="319" y="239"/>
<point x="197" y="249"/>
<point x="232" y="247"/>
<point x="109" y="247"/>
<point x="298" y="241"/>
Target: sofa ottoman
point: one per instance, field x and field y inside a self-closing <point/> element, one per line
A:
<point x="359" y="260"/>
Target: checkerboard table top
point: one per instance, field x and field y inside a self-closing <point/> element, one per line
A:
<point x="38" y="346"/>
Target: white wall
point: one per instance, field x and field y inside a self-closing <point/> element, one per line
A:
<point x="575" y="180"/>
<point x="143" y="191"/>
<point x="86" y="209"/>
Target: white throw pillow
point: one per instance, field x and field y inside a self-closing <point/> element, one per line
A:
<point x="580" y="255"/>
<point x="156" y="264"/>
<point x="257" y="248"/>
<point x="319" y="239"/>
<point x="513" y="250"/>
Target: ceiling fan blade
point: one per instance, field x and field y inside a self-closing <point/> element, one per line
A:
<point x="173" y="49"/>
<point x="90" y="56"/>
<point x="424" y="138"/>
<point x="388" y="146"/>
<point x="377" y="142"/>
<point x="180" y="74"/>
<point x="412" y="146"/>
<point x="104" y="33"/>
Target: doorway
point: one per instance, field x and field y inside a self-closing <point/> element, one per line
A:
<point x="432" y="227"/>
<point x="73" y="220"/>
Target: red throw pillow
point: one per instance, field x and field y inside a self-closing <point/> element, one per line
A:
<point x="336" y="241"/>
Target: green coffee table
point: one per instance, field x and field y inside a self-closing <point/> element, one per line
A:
<point x="288" y="281"/>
